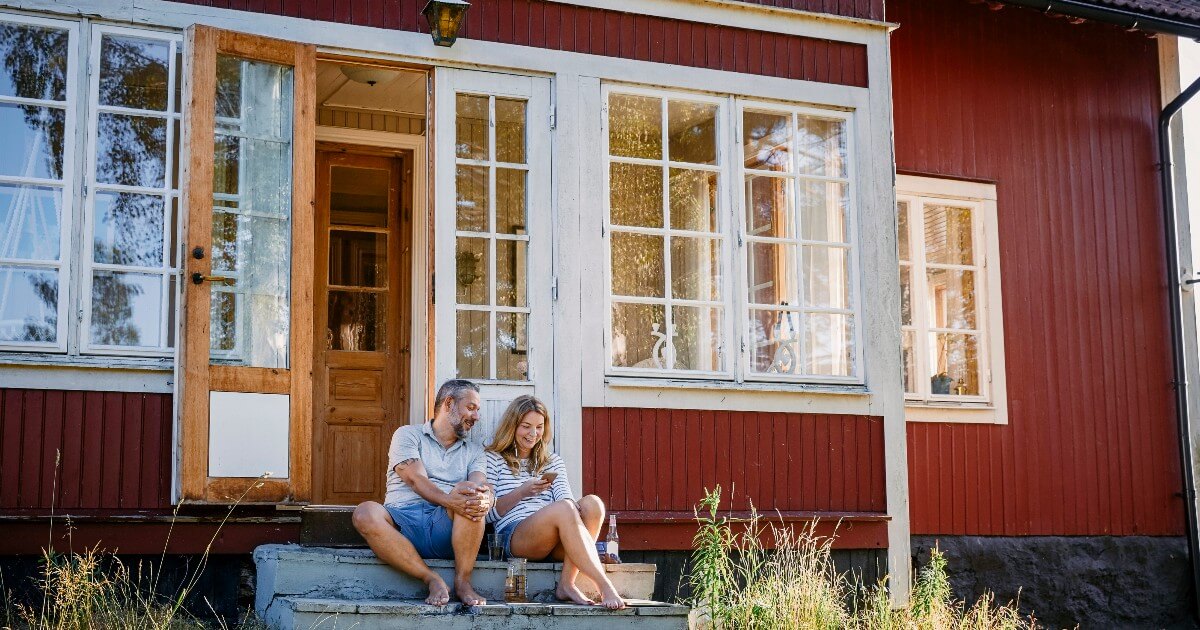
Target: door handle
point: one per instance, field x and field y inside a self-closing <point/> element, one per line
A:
<point x="199" y="278"/>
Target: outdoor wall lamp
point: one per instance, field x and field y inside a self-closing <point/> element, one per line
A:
<point x="444" y="17"/>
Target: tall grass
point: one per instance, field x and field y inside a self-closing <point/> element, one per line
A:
<point x="738" y="583"/>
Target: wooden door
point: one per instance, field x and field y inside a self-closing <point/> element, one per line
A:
<point x="361" y="308"/>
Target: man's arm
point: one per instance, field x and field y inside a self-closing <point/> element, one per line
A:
<point x="412" y="472"/>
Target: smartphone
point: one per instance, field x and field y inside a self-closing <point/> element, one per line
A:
<point x="549" y="477"/>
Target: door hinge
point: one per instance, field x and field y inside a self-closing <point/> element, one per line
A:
<point x="554" y="288"/>
<point x="553" y="118"/>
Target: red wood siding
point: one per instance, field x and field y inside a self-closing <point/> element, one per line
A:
<point x="112" y="450"/>
<point x="1062" y="118"/>
<point x="556" y="26"/>
<point x="866" y="9"/>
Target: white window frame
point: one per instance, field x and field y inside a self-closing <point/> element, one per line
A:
<point x="991" y="405"/>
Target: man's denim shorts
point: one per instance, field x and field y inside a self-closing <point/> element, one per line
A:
<point x="427" y="526"/>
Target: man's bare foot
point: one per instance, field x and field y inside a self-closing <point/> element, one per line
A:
<point x="571" y="593"/>
<point x="439" y="593"/>
<point x="466" y="593"/>
<point x="611" y="600"/>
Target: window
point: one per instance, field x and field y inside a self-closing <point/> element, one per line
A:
<point x="951" y="330"/>
<point x="116" y="276"/>
<point x="679" y="304"/>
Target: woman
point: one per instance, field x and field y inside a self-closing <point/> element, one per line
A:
<point x="537" y="517"/>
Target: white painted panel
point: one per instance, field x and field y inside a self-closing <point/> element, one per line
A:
<point x="248" y="434"/>
<point x="489" y="418"/>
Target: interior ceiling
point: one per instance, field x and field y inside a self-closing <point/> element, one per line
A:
<point x="403" y="93"/>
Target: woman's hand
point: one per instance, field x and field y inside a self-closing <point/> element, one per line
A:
<point x="533" y="487"/>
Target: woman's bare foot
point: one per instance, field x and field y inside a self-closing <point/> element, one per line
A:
<point x="611" y="600"/>
<point x="439" y="593"/>
<point x="571" y="593"/>
<point x="466" y="593"/>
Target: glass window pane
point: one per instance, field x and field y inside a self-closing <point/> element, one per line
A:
<point x="775" y="341"/>
<point x="226" y="158"/>
<point x="471" y="275"/>
<point x="951" y="298"/>
<point x="226" y="227"/>
<point x="827" y="283"/>
<point x="222" y="338"/>
<point x="697" y="338"/>
<point x="692" y="132"/>
<point x="823" y="211"/>
<point x="258" y="97"/>
<point x="635" y="195"/>
<point x="471" y="184"/>
<point x="28" y="304"/>
<point x="906" y="310"/>
<point x="358" y="196"/>
<point x="128" y="229"/>
<point x="829" y="344"/>
<point x="695" y="268"/>
<point x="473" y="344"/>
<point x="29" y="222"/>
<point x="131" y="150"/>
<point x="771" y="268"/>
<point x="34" y="61"/>
<point x="512" y="346"/>
<point x="229" y="87"/>
<point x="510" y="201"/>
<point x="635" y="126"/>
<point x="510" y="131"/>
<point x="693" y="200"/>
<point x="511" y="273"/>
<point x="767" y="203"/>
<point x="471" y="127"/>
<point x="948" y="235"/>
<point x="956" y="365"/>
<point x="766" y="140"/>
<point x="821" y="147"/>
<point x="358" y="259"/>
<point x="908" y="360"/>
<point x="638" y="336"/>
<point x="134" y="72"/>
<point x="33" y="141"/>
<point x="637" y="265"/>
<point x="902" y="235"/>
<point x="357" y="321"/>
<point x="126" y="309"/>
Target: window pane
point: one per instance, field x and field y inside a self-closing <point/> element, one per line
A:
<point x="692" y="132"/>
<point x="775" y="341"/>
<point x="471" y="275"/>
<point x="948" y="235"/>
<point x="951" y="298"/>
<point x="637" y="265"/>
<point x="766" y="140"/>
<point x="956" y="365"/>
<point x="134" y="72"/>
<point x="474" y="344"/>
<point x="510" y="131"/>
<point x="33" y="141"/>
<point x="638" y="336"/>
<point x="826" y="281"/>
<point x="823" y="211"/>
<point x="636" y="195"/>
<point x="128" y="229"/>
<point x="227" y="155"/>
<point x="358" y="196"/>
<point x="829" y="344"/>
<point x="472" y="198"/>
<point x="906" y="313"/>
<point x="771" y="269"/>
<point x="357" y="321"/>
<point x="821" y="147"/>
<point x="358" y="259"/>
<point x="126" y="309"/>
<point x="767" y="202"/>
<point x="28" y="304"/>
<point x="131" y="150"/>
<point x="471" y="127"/>
<point x="908" y="360"/>
<point x="512" y="346"/>
<point x="226" y="227"/>
<point x="510" y="201"/>
<point x="695" y="268"/>
<point x="697" y="339"/>
<point x="902" y="231"/>
<point x="635" y="126"/>
<point x="229" y="87"/>
<point x="222" y="338"/>
<point x="29" y="222"/>
<point x="693" y="200"/>
<point x="510" y="273"/>
<point x="33" y="61"/>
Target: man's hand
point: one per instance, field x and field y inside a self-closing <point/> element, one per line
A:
<point x="470" y="499"/>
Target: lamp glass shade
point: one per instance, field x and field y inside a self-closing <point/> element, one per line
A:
<point x="444" y="17"/>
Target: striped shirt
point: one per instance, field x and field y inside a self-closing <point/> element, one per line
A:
<point x="502" y="479"/>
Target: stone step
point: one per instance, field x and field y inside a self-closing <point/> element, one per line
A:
<point x="308" y="612"/>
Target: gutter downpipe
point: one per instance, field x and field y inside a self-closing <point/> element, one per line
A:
<point x="1175" y="298"/>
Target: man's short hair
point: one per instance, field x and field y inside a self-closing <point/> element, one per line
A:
<point x="453" y="388"/>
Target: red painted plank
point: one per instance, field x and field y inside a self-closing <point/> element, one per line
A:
<point x="72" y="457"/>
<point x="155" y="458"/>
<point x="12" y="402"/>
<point x="537" y="25"/>
<point x="131" y="451"/>
<point x="685" y="457"/>
<point x="52" y="449"/>
<point x="621" y="453"/>
<point x="740" y="478"/>
<point x="93" y="450"/>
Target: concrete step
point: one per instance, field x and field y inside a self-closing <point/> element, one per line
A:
<point x="334" y="614"/>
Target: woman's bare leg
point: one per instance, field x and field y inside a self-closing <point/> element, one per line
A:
<point x="591" y="512"/>
<point x="559" y="523"/>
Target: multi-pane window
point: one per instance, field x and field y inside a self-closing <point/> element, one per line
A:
<point x="492" y="242"/>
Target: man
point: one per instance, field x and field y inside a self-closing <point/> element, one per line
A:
<point x="437" y="497"/>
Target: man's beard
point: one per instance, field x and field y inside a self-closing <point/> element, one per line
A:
<point x="459" y="424"/>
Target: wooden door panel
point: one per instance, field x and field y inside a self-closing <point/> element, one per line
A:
<point x="360" y="385"/>
<point x="350" y="448"/>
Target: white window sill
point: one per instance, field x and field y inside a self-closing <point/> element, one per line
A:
<point x="966" y="413"/>
<point x="86" y="373"/>
<point x="733" y="386"/>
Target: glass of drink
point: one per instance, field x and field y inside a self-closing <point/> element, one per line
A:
<point x="495" y="549"/>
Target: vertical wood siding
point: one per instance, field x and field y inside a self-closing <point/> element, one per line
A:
<point x="866" y="9"/>
<point x="573" y="28"/>
<point x="113" y="450"/>
<point x="661" y="460"/>
<point x="1062" y="118"/>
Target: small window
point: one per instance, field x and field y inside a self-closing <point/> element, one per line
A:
<point x="950" y="305"/>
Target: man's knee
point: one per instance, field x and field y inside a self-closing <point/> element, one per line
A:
<point x="369" y="517"/>
<point x="462" y="521"/>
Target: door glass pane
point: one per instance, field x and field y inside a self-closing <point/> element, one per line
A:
<point x="357" y="321"/>
<point x="510" y="201"/>
<point x="253" y="181"/>
<point x="510" y="131"/>
<point x="512" y="346"/>
<point x="28" y="304"/>
<point x="636" y="195"/>
<point x="358" y="196"/>
<point x="134" y="72"/>
<point x="510" y="272"/>
<point x="471" y="182"/>
<point x="692" y="132"/>
<point x="635" y="126"/>
<point x="693" y="200"/>
<point x="471" y="127"/>
<point x="766" y="140"/>
<point x="473" y="340"/>
<point x="357" y="259"/>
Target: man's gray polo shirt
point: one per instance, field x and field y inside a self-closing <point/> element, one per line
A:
<point x="445" y="466"/>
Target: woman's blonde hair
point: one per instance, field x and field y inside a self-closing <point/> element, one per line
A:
<point x="505" y="441"/>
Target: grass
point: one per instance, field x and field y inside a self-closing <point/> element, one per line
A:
<point x="738" y="583"/>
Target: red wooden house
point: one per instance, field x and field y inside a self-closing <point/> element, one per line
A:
<point x="905" y="267"/>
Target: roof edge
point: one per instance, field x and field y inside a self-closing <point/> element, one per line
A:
<point x="1113" y="15"/>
